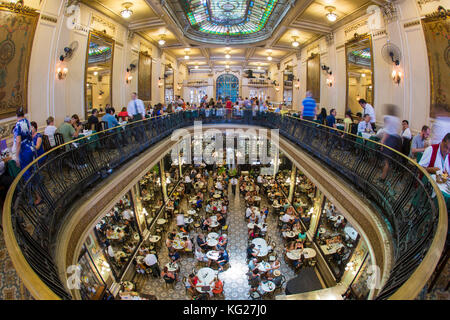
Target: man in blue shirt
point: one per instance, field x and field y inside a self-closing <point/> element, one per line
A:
<point x="109" y="118"/>
<point x="309" y="107"/>
<point x="331" y="119"/>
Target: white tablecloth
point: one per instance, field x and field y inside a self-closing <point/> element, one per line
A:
<point x="261" y="244"/>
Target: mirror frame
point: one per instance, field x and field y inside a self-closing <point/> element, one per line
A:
<point x="357" y="38"/>
<point x="291" y="106"/>
<point x="113" y="42"/>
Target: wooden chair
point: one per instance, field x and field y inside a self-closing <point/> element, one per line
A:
<point x="59" y="139"/>
<point x="46" y="143"/>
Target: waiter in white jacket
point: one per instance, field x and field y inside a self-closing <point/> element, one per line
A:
<point x="136" y="112"/>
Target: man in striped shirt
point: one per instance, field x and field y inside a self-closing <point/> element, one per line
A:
<point x="309" y="107"/>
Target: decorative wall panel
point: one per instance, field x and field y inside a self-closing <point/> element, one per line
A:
<point x="145" y="77"/>
<point x="17" y="27"/>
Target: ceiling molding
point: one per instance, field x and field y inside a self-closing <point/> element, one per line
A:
<point x="311" y="26"/>
<point x="144" y="24"/>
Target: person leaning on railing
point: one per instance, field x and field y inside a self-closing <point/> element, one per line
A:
<point x="309" y="107"/>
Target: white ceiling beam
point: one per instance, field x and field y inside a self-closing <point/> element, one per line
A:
<point x="311" y="26"/>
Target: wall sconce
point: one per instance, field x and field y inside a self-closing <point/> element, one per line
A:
<point x="61" y="71"/>
<point x="330" y="80"/>
<point x="297" y="84"/>
<point x="129" y="77"/>
<point x="396" y="75"/>
<point x="160" y="82"/>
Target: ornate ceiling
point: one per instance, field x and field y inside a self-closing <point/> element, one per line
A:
<point x="227" y="21"/>
<point x="244" y="29"/>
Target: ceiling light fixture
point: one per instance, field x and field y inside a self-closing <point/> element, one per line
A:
<point x="295" y="43"/>
<point x="227" y="56"/>
<point x="269" y="52"/>
<point x="186" y="51"/>
<point x="331" y="15"/>
<point x="162" y="41"/>
<point x="126" y="13"/>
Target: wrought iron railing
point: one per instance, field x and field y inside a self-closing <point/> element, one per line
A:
<point x="415" y="220"/>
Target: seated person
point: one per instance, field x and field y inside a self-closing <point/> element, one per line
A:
<point x="254" y="280"/>
<point x="302" y="236"/>
<point x="252" y="264"/>
<point x="436" y="157"/>
<point x="188" y="244"/>
<point x="223" y="259"/>
<point x="299" y="263"/>
<point x="276" y="278"/>
<point x="191" y="283"/>
<point x="168" y="276"/>
<point x="206" y="225"/>
<point x="365" y="125"/>
<point x="200" y="256"/>
<point x="251" y="251"/>
<point x="275" y="265"/>
<point x="174" y="256"/>
<point x="201" y="241"/>
<point x="218" y="286"/>
<point x="223" y="241"/>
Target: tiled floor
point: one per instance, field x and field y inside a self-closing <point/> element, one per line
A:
<point x="236" y="285"/>
<point x="11" y="287"/>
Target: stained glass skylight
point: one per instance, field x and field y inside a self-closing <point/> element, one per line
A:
<point x="228" y="17"/>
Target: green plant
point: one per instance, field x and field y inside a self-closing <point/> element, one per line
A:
<point x="232" y="172"/>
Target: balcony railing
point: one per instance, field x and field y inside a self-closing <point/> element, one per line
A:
<point x="417" y="222"/>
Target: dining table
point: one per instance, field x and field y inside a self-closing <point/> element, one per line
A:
<point x="263" y="266"/>
<point x="262" y="246"/>
<point x="178" y="244"/>
<point x="213" y="235"/>
<point x="213" y="255"/>
<point x="268" y="286"/>
<point x="172" y="266"/>
<point x="205" y="277"/>
<point x="308" y="253"/>
<point x="331" y="248"/>
<point x="154" y="238"/>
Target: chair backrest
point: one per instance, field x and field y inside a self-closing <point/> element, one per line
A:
<point x="59" y="138"/>
<point x="46" y="143"/>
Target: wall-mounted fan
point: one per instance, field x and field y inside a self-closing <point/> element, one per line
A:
<point x="132" y="67"/>
<point x="69" y="51"/>
<point x="391" y="53"/>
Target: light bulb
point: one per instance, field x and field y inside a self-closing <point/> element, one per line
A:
<point x="95" y="73"/>
<point x="227" y="56"/>
<point x="295" y="44"/>
<point x="126" y="13"/>
<point x="269" y="58"/>
<point x="196" y="67"/>
<point x="331" y="16"/>
<point x="259" y="67"/>
<point x="161" y="42"/>
<point x="186" y="57"/>
<point x="363" y="75"/>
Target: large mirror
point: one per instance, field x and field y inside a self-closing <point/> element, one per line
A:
<point x="288" y="79"/>
<point x="359" y="61"/>
<point x="98" y="75"/>
<point x="168" y="84"/>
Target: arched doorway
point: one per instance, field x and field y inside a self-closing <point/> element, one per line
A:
<point x="227" y="85"/>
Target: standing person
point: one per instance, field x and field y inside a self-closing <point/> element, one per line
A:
<point x="247" y="110"/>
<point x="136" y="112"/>
<point x="23" y="138"/>
<point x="37" y="141"/>
<point x="368" y="109"/>
<point x="391" y="137"/>
<point x="50" y="131"/>
<point x="151" y="261"/>
<point x="309" y="107"/>
<point x="418" y="142"/>
<point x="229" y="107"/>
<point x="234" y="183"/>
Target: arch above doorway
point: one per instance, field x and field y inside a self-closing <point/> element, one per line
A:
<point x="227" y="85"/>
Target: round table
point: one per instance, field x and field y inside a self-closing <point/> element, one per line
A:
<point x="212" y="242"/>
<point x="213" y="235"/>
<point x="188" y="220"/>
<point x="268" y="286"/>
<point x="261" y="244"/>
<point x="172" y="266"/>
<point x="322" y="230"/>
<point x="136" y="236"/>
<point x="263" y="266"/>
<point x="161" y="221"/>
<point x="192" y="212"/>
<point x="216" y="196"/>
<point x="213" y="255"/>
<point x="205" y="277"/>
<point x="178" y="244"/>
<point x="308" y="253"/>
<point x="290" y="234"/>
<point x="154" y="239"/>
